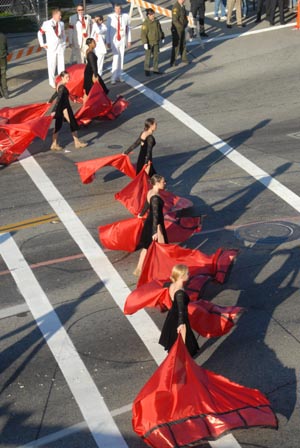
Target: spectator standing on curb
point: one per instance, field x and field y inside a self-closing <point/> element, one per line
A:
<point x="238" y="6"/>
<point x="3" y="66"/>
<point x="179" y="24"/>
<point x="218" y="4"/>
<point x="198" y="7"/>
<point x="80" y="28"/>
<point x="117" y="37"/>
<point x="98" y="33"/>
<point x="151" y="35"/>
<point x="52" y="37"/>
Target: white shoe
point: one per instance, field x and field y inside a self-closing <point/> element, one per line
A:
<point x="216" y="18"/>
<point x="120" y="79"/>
<point x="113" y="81"/>
<point x="223" y="18"/>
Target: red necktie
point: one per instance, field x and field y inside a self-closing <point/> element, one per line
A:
<point x="83" y="23"/>
<point x="119" y="29"/>
<point x="56" y="28"/>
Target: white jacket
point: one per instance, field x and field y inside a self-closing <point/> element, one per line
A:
<point x="47" y="32"/>
<point x="99" y="34"/>
<point x="78" y="34"/>
<point x="112" y="26"/>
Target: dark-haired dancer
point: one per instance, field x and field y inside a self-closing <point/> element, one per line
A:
<point x="147" y="142"/>
<point x="91" y="74"/>
<point x="63" y="111"/>
<point x="154" y="227"/>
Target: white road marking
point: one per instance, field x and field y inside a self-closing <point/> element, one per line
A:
<point x="141" y="321"/>
<point x="238" y="159"/>
<point x="113" y="282"/>
<point x="13" y="310"/>
<point x="97" y="416"/>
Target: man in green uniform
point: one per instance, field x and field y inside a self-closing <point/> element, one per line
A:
<point x="179" y="24"/>
<point x="3" y="66"/>
<point x="151" y="35"/>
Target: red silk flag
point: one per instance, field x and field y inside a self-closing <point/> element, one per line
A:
<point x="180" y="229"/>
<point x="121" y="235"/>
<point x="161" y="258"/>
<point x="183" y="404"/>
<point x="125" y="234"/>
<point x="134" y="195"/>
<point x="97" y="105"/>
<point x="19" y="126"/>
<point x="20" y="114"/>
<point x="206" y="318"/>
<point x="88" y="168"/>
<point x="75" y="85"/>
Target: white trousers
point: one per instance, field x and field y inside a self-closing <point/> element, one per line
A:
<point x="100" y="61"/>
<point x="117" y="62"/>
<point x="55" y="61"/>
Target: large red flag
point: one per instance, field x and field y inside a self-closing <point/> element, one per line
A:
<point x="75" y="85"/>
<point x="183" y="404"/>
<point x="134" y="195"/>
<point x="97" y="105"/>
<point x="88" y="168"/>
<point x="206" y="318"/>
<point x="121" y="235"/>
<point x="20" y="114"/>
<point x="161" y="258"/>
<point x="19" y="126"/>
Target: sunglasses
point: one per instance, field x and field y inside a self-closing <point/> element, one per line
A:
<point x="80" y="9"/>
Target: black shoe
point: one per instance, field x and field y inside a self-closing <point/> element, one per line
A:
<point x="229" y="26"/>
<point x="147" y="73"/>
<point x="158" y="73"/>
<point x="258" y="19"/>
<point x="203" y="34"/>
<point x="241" y="25"/>
<point x="172" y="64"/>
<point x="272" y="23"/>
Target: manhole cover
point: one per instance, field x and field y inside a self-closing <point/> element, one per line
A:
<point x="268" y="232"/>
<point x="115" y="147"/>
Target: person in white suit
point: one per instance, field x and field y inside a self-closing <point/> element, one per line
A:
<point x="117" y="38"/>
<point x="52" y="37"/>
<point x="80" y="28"/>
<point x="99" y="34"/>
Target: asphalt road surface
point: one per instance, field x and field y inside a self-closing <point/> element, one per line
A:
<point x="228" y="138"/>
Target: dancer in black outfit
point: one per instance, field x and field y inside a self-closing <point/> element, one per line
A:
<point x="154" y="227"/>
<point x="147" y="142"/>
<point x="177" y="320"/>
<point x="91" y="74"/>
<point x="63" y="111"/>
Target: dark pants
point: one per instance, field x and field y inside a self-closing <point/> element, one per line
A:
<point x="260" y="6"/>
<point x="272" y="8"/>
<point x="198" y="7"/>
<point x="3" y="82"/>
<point x="153" y="50"/>
<point x="178" y="45"/>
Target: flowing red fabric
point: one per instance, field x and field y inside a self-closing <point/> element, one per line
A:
<point x="75" y="85"/>
<point x="19" y="126"/>
<point x="180" y="229"/>
<point x="206" y="318"/>
<point x="125" y="234"/>
<point x="183" y="403"/>
<point x="19" y="114"/>
<point x="161" y="258"/>
<point x="134" y="195"/>
<point x="88" y="168"/>
<point x="117" y="108"/>
<point x="97" y="105"/>
<point x="121" y="235"/>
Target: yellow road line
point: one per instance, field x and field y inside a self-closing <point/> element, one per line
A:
<point x="32" y="222"/>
